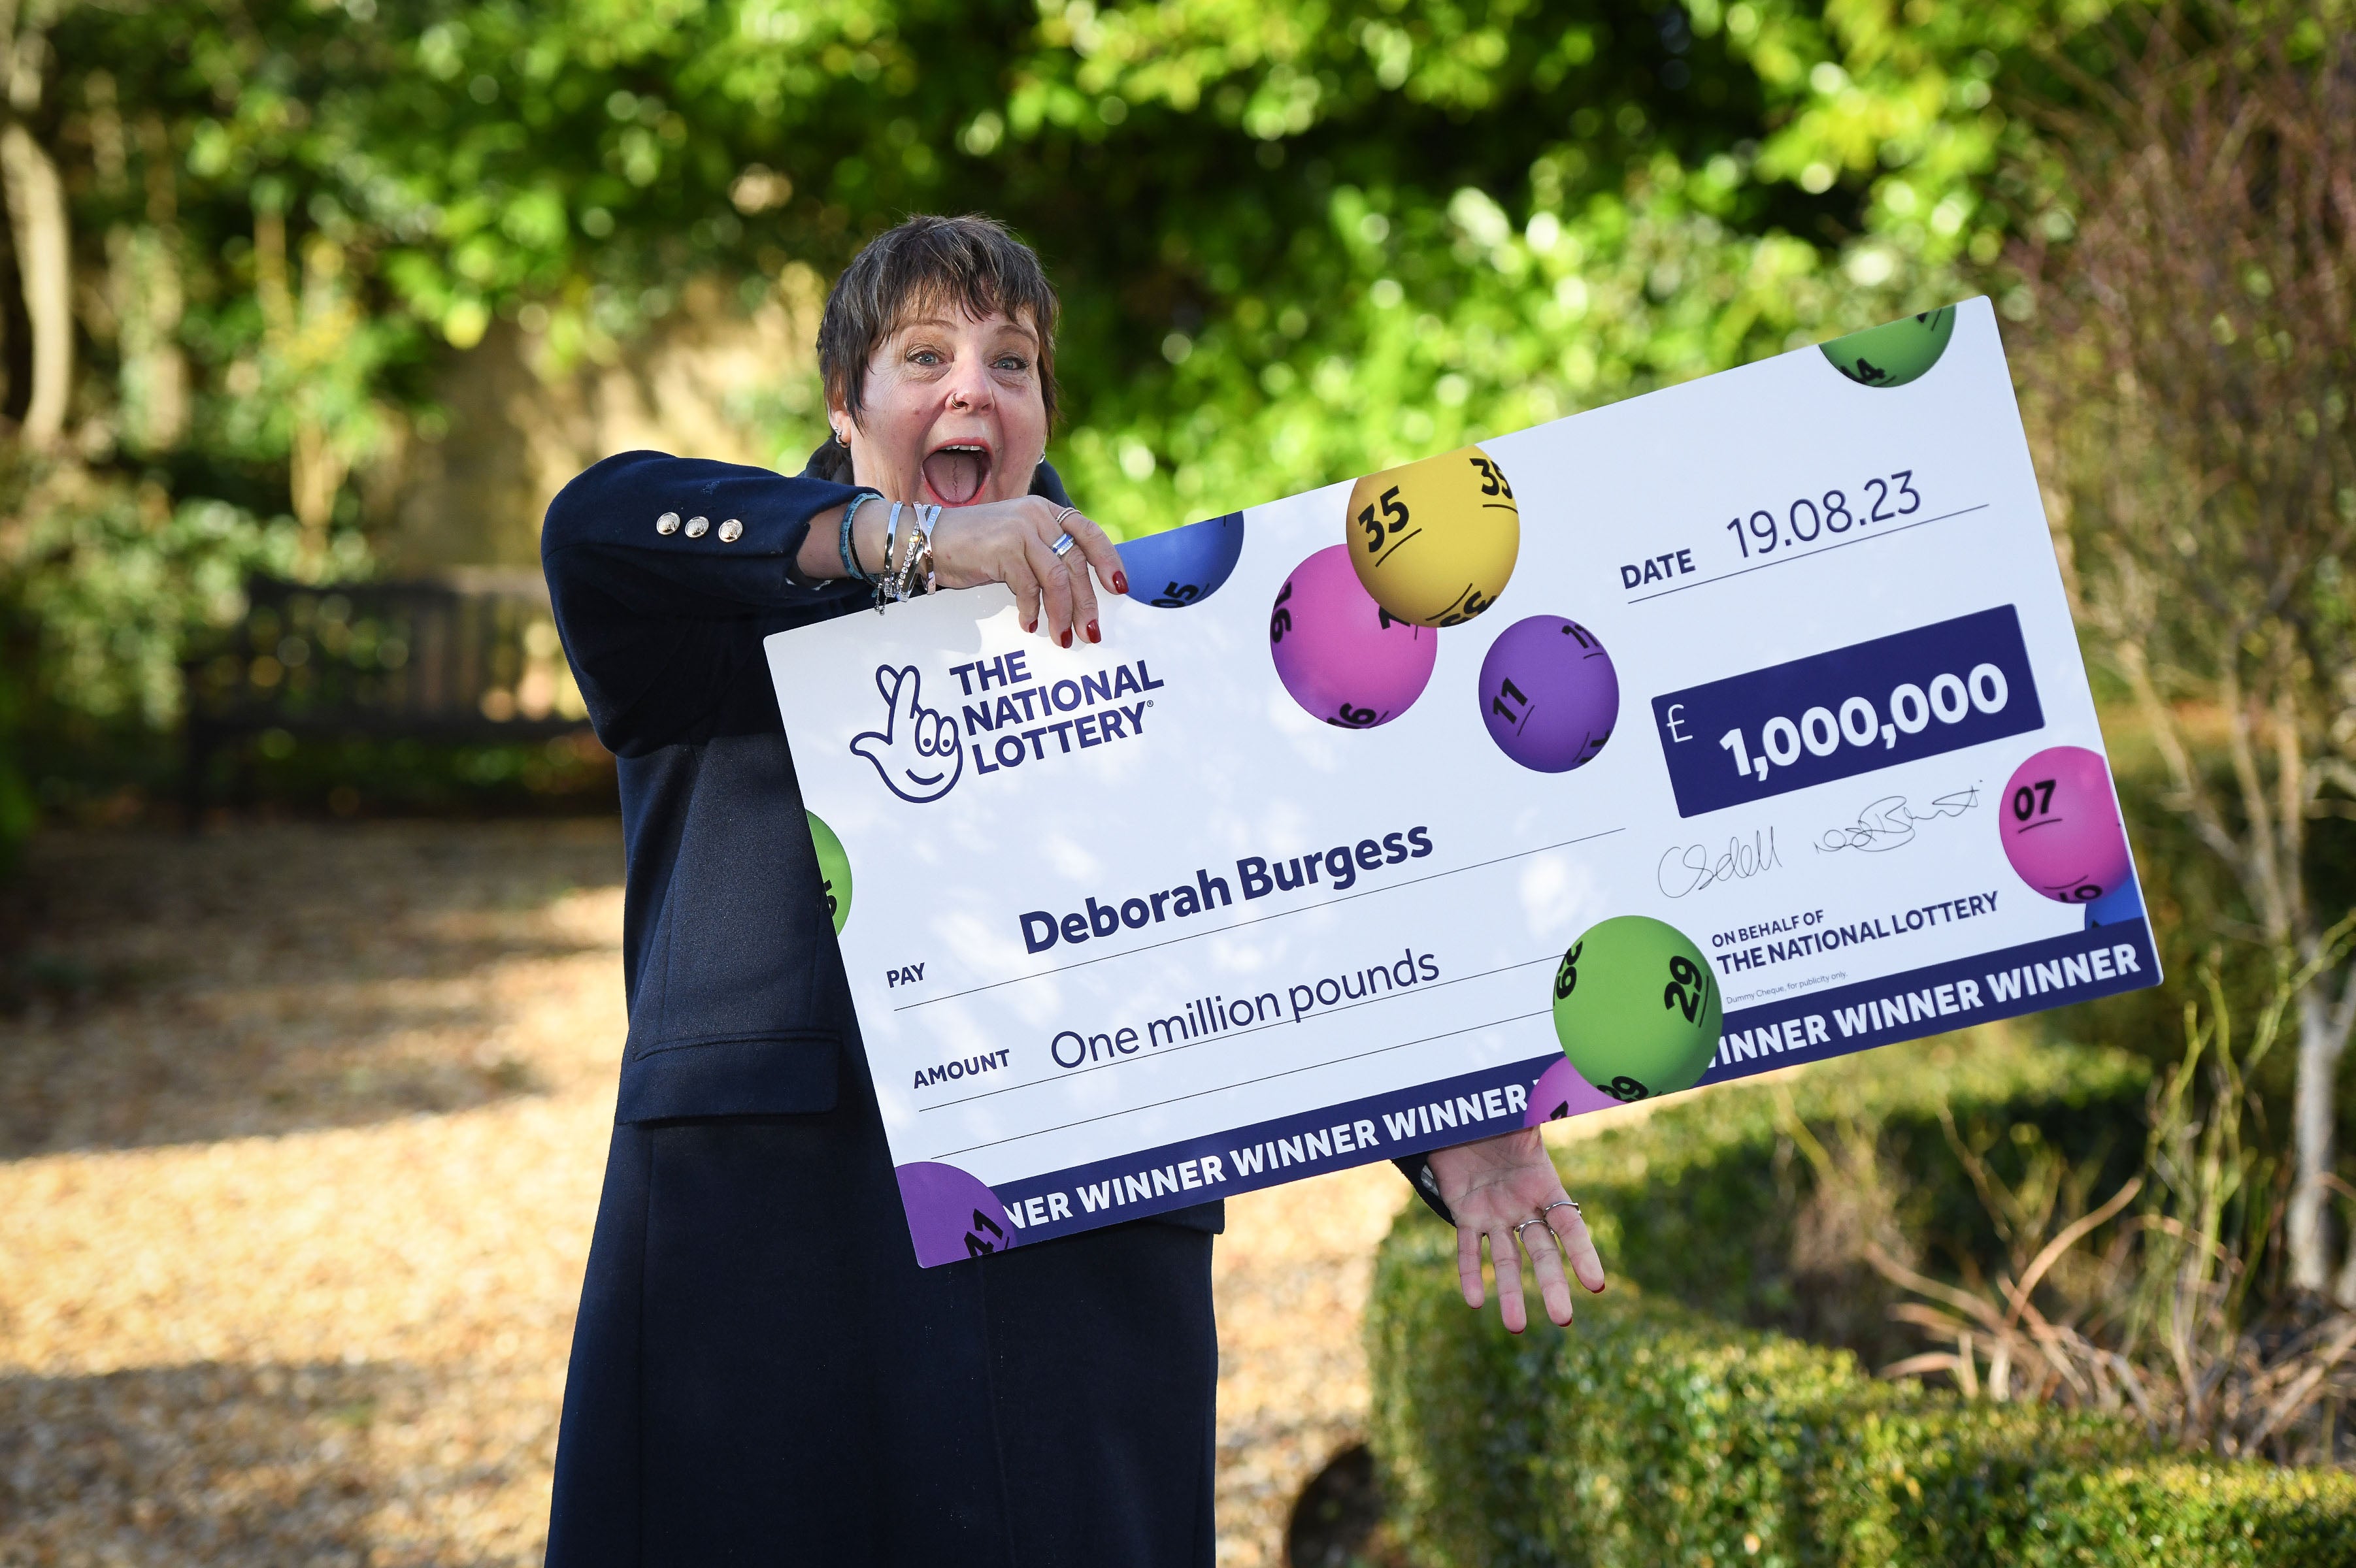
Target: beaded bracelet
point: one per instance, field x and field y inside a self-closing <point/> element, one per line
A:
<point x="851" y="567"/>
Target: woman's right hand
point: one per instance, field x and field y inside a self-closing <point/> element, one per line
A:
<point x="1013" y="542"/>
<point x="1010" y="541"/>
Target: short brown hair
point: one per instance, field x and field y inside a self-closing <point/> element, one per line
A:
<point x="974" y="262"/>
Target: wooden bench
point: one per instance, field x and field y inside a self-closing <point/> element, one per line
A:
<point x="469" y="656"/>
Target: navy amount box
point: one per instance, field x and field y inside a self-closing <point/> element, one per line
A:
<point x="1853" y="711"/>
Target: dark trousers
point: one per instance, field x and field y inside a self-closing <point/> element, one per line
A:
<point x="761" y="1374"/>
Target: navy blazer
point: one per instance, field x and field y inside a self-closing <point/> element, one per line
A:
<point x="666" y="574"/>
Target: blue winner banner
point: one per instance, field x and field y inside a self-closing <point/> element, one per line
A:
<point x="1338" y="848"/>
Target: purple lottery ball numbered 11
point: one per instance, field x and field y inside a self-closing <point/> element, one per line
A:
<point x="1548" y="694"/>
<point x="1341" y="656"/>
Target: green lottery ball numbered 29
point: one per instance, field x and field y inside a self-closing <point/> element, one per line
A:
<point x="1636" y="1007"/>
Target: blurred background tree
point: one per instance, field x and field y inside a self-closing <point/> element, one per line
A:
<point x="2192" y="379"/>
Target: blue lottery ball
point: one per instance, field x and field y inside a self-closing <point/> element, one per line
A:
<point x="2121" y="904"/>
<point x="1182" y="566"/>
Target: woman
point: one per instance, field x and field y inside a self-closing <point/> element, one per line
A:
<point x="760" y="1373"/>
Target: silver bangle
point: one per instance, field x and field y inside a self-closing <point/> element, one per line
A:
<point x="932" y="516"/>
<point x="917" y="561"/>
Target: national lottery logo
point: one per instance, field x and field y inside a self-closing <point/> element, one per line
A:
<point x="916" y="752"/>
<point x="1005" y="713"/>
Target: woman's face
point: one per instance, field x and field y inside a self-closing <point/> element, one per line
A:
<point x="953" y="412"/>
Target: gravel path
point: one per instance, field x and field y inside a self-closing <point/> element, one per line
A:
<point x="300" y="1138"/>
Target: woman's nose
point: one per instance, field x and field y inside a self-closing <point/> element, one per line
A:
<point x="969" y="386"/>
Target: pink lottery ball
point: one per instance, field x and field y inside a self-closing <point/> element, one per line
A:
<point x="1338" y="653"/>
<point x="2062" y="828"/>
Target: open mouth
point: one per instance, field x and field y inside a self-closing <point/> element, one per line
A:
<point x="956" y="474"/>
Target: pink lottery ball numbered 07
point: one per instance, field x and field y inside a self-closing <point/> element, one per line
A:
<point x="1343" y="658"/>
<point x="2060" y="825"/>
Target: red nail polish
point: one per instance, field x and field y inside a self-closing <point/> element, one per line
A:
<point x="1121" y="582"/>
<point x="1095" y="636"/>
<point x="1032" y="625"/>
<point x="1067" y="637"/>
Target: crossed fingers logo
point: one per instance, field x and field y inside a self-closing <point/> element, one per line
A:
<point x="918" y="751"/>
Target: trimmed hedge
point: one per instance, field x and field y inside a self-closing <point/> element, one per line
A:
<point x="1648" y="1434"/>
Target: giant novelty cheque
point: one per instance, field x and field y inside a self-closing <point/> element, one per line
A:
<point x="1737" y="725"/>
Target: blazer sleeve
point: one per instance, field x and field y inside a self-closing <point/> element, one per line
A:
<point x="666" y="572"/>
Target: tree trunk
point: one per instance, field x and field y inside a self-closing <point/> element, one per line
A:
<point x="2322" y="1041"/>
<point x="37" y="213"/>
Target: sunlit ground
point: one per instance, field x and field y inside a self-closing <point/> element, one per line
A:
<point x="301" y="1131"/>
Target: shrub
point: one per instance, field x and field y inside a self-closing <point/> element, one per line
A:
<point x="1708" y="1200"/>
<point x="1650" y="1434"/>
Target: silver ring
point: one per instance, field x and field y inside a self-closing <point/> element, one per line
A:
<point x="1571" y="1203"/>
<point x="1063" y="545"/>
<point x="1532" y="1220"/>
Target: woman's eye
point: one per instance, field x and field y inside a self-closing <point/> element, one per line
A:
<point x="1013" y="364"/>
<point x="925" y="357"/>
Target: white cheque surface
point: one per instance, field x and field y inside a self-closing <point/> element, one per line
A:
<point x="1129" y="929"/>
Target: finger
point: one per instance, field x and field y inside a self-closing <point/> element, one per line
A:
<point x="1569" y="1228"/>
<point x="1098" y="546"/>
<point x="1504" y="1252"/>
<point x="1468" y="1266"/>
<point x="905" y="706"/>
<point x="1018" y="577"/>
<point x="1055" y="586"/>
<point x="1072" y="559"/>
<point x="1084" y="595"/>
<point x="1545" y="1263"/>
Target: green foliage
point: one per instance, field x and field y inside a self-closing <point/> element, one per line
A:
<point x="117" y="578"/>
<point x="1659" y="1429"/>
<point x="1648" y="1434"/>
<point x="1409" y="220"/>
<point x="1296" y="240"/>
<point x="1315" y="239"/>
<point x="1708" y="1200"/>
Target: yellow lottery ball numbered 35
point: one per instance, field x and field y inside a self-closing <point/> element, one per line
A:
<point x="1434" y="541"/>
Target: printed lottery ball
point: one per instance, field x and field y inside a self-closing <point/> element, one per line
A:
<point x="2121" y="904"/>
<point x="1895" y="353"/>
<point x="2062" y="828"/>
<point x="1548" y="694"/>
<point x="833" y="870"/>
<point x="952" y="1216"/>
<point x="1183" y="566"/>
<point x="1560" y="1092"/>
<point x="1434" y="541"/>
<point x="1338" y="653"/>
<point x="1636" y="1007"/>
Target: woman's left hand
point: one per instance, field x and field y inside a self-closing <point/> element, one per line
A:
<point x="1492" y="1186"/>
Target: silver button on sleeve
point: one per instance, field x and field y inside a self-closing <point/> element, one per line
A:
<point x="698" y="527"/>
<point x="731" y="532"/>
<point x="667" y="524"/>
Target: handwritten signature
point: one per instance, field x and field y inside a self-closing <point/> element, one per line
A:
<point x="1889" y="823"/>
<point x="1689" y="868"/>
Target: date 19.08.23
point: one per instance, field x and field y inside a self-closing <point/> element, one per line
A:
<point x="1811" y="520"/>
